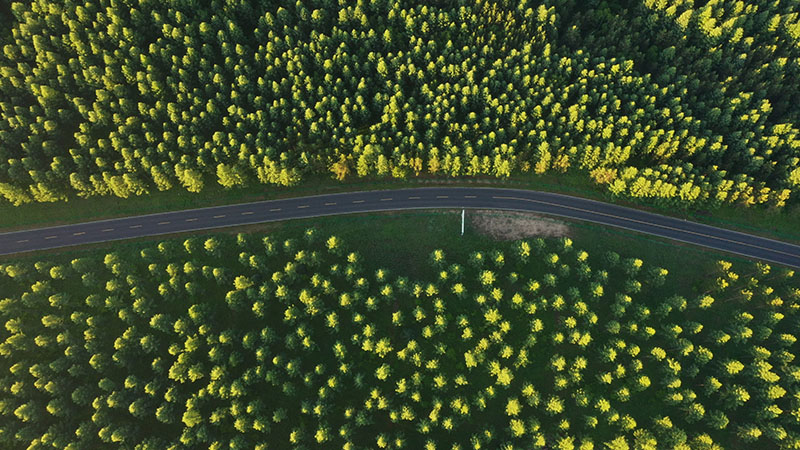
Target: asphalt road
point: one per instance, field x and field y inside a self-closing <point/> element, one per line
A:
<point x="402" y="199"/>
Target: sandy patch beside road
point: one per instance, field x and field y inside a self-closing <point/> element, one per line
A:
<point x="512" y="225"/>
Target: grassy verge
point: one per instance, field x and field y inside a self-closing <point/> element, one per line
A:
<point x="97" y="208"/>
<point x="686" y="263"/>
<point x="777" y="224"/>
<point x="782" y="225"/>
<point x="401" y="242"/>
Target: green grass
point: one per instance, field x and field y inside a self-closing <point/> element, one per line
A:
<point x="686" y="263"/>
<point x="402" y="242"/>
<point x="784" y="225"/>
<point x="781" y="224"/>
<point x="80" y="210"/>
<point x="97" y="208"/>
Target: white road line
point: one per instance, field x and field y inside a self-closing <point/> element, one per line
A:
<point x="79" y="233"/>
<point x="302" y="206"/>
<point x="358" y="201"/>
<point x="413" y="198"/>
<point x="275" y="209"/>
<point x="107" y="230"/>
<point x="386" y="199"/>
<point x="247" y="213"/>
<point x="219" y="216"/>
<point x="22" y="241"/>
<point x="470" y="196"/>
<point x="163" y="223"/>
<point x="193" y="219"/>
<point x="135" y="226"/>
<point x="50" y="237"/>
<point x="442" y="196"/>
<point x="330" y="203"/>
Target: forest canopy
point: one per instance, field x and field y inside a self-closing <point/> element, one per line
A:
<point x="252" y="341"/>
<point x="678" y="103"/>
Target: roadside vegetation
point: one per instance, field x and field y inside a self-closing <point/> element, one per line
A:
<point x="523" y="344"/>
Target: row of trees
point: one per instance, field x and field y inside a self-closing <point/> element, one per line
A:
<point x="240" y="342"/>
<point x="104" y="98"/>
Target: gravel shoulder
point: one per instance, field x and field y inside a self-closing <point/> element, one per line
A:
<point x="510" y="225"/>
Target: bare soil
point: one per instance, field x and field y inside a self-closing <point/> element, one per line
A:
<point x="512" y="225"/>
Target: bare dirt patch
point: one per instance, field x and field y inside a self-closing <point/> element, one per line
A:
<point x="512" y="225"/>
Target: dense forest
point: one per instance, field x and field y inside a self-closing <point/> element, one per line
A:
<point x="247" y="341"/>
<point x="677" y="103"/>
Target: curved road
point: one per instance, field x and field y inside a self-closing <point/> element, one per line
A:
<point x="420" y="198"/>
